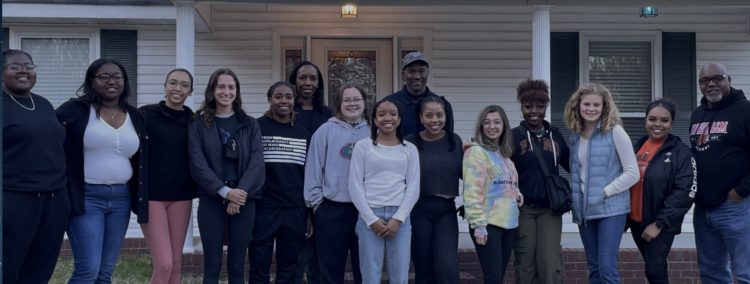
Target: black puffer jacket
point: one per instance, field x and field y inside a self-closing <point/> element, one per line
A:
<point x="204" y="151"/>
<point x="669" y="184"/>
<point x="74" y="116"/>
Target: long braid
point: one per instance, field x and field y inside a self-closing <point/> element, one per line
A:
<point x="448" y="125"/>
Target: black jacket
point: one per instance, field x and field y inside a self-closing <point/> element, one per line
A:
<point x="720" y="139"/>
<point x="74" y="116"/>
<point x="204" y="151"/>
<point x="530" y="174"/>
<point x="311" y="120"/>
<point x="169" y="172"/>
<point x="669" y="184"/>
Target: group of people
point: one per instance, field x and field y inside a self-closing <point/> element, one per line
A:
<point x="375" y="185"/>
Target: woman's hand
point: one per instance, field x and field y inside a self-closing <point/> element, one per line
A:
<point x="481" y="235"/>
<point x="233" y="208"/>
<point x="309" y="227"/>
<point x="519" y="199"/>
<point x="378" y="227"/>
<point x="391" y="227"/>
<point x="466" y="145"/>
<point x="651" y="232"/>
<point x="237" y="196"/>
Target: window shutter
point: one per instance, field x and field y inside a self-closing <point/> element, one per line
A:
<point x="564" y="77"/>
<point x="123" y="46"/>
<point x="6" y="39"/>
<point x="679" y="79"/>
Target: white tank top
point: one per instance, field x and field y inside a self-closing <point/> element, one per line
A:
<point x="107" y="151"/>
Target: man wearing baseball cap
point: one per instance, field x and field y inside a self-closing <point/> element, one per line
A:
<point x="414" y="71"/>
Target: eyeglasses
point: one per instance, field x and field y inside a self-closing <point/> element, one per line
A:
<point x="104" y="78"/>
<point x="354" y="101"/>
<point x="18" y="68"/>
<point x="716" y="79"/>
<point x="173" y="84"/>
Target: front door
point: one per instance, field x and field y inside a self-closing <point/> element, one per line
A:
<point x="368" y="62"/>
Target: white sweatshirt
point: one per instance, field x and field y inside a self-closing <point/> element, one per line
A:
<point x="381" y="176"/>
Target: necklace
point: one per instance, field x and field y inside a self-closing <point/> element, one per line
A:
<point x="110" y="114"/>
<point x="33" y="106"/>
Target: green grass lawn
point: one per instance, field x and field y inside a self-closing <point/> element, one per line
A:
<point x="129" y="269"/>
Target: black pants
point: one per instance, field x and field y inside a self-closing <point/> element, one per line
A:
<point x="434" y="241"/>
<point x="212" y="222"/>
<point x="334" y="224"/>
<point x="654" y="253"/>
<point x="33" y="229"/>
<point x="495" y="254"/>
<point x="308" y="256"/>
<point x="286" y="226"/>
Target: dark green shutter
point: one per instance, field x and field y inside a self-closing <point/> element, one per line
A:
<point x="123" y="46"/>
<point x="679" y="78"/>
<point x="564" y="77"/>
<point x="6" y="39"/>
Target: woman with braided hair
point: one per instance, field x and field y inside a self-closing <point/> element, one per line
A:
<point x="281" y="214"/>
<point x="434" y="243"/>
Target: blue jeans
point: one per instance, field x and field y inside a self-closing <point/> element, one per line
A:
<point x="396" y="249"/>
<point x="601" y="241"/>
<point x="722" y="234"/>
<point x="97" y="235"/>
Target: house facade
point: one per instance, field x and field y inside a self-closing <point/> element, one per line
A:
<point x="478" y="53"/>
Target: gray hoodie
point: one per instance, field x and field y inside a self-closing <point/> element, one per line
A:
<point x="327" y="167"/>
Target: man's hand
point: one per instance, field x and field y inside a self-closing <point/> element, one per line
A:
<point x="237" y="196"/>
<point x="734" y="196"/>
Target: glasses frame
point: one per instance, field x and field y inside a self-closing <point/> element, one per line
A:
<point x="99" y="77"/>
<point x="352" y="102"/>
<point x="712" y="79"/>
<point x="25" y="68"/>
<point x="179" y="84"/>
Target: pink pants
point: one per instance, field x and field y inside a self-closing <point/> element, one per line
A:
<point x="165" y="235"/>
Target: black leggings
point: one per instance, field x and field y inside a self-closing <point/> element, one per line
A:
<point x="334" y="224"/>
<point x="654" y="253"/>
<point x="495" y="254"/>
<point x="212" y="221"/>
<point x="434" y="241"/>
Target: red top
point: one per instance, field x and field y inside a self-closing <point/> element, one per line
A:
<point x="644" y="155"/>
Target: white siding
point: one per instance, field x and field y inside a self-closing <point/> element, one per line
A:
<point x="479" y="54"/>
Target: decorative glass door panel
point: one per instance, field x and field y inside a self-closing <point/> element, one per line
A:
<point x="352" y="67"/>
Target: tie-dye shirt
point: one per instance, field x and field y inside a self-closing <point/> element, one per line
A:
<point x="490" y="189"/>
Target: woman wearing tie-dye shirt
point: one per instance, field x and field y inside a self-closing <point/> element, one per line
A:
<point x="491" y="195"/>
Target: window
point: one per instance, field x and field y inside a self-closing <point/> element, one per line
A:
<point x="61" y="56"/>
<point x="629" y="65"/>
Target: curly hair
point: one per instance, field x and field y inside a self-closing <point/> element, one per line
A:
<point x="532" y="91"/>
<point x="87" y="93"/>
<point x="610" y="115"/>
<point x="374" y="126"/>
<point x="419" y="106"/>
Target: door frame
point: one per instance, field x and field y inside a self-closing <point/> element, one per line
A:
<point x="309" y="34"/>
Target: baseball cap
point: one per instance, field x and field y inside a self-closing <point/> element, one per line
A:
<point x="413" y="57"/>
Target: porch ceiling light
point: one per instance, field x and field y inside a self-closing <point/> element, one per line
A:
<point x="649" y="12"/>
<point x="348" y="11"/>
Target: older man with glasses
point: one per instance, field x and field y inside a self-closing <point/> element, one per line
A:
<point x="720" y="138"/>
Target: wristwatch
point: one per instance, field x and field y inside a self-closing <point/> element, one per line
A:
<point x="658" y="225"/>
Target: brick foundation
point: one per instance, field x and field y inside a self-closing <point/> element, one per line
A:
<point x="683" y="266"/>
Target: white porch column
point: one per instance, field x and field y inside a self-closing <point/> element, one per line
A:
<point x="541" y="47"/>
<point x="186" y="59"/>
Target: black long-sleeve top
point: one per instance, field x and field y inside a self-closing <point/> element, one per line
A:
<point x="169" y="172"/>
